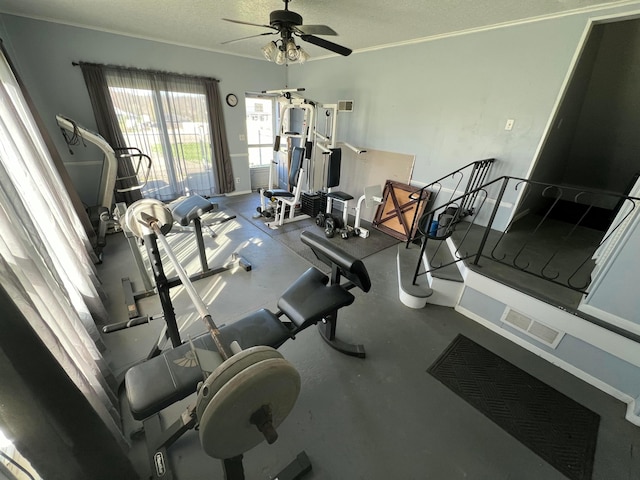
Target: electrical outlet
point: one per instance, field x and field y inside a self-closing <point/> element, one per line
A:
<point x="237" y="179"/>
<point x="509" y="124"/>
<point x="243" y="137"/>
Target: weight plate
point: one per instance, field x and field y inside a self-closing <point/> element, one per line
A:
<point x="228" y="369"/>
<point x="225" y="428"/>
<point x="152" y="207"/>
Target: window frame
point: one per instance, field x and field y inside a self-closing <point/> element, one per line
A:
<point x="275" y="112"/>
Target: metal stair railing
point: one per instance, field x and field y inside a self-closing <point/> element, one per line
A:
<point x="478" y="239"/>
<point x="476" y="177"/>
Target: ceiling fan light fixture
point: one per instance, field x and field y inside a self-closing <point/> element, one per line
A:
<point x="270" y="50"/>
<point x="304" y="56"/>
<point x="280" y="56"/>
<point x="288" y="24"/>
<point x="293" y="52"/>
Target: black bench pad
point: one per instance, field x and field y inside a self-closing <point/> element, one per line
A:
<point x="309" y="299"/>
<point x="278" y="193"/>
<point x="348" y="265"/>
<point x="187" y="209"/>
<point x="157" y="383"/>
<point x="342" y="196"/>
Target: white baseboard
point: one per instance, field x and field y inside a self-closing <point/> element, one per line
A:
<point x="233" y="194"/>
<point x="610" y="318"/>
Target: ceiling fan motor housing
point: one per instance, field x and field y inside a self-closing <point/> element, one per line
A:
<point x="284" y="18"/>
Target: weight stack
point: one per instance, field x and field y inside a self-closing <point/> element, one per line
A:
<point x="314" y="203"/>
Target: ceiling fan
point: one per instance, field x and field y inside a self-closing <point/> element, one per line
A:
<point x="288" y="24"/>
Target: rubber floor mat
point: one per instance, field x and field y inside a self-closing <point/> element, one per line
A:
<point x="555" y="427"/>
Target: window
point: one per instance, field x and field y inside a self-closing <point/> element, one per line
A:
<point x="177" y="115"/>
<point x="167" y="120"/>
<point x="261" y="118"/>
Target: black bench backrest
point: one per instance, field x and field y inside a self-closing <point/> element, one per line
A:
<point x="333" y="169"/>
<point x="327" y="252"/>
<point x="297" y="155"/>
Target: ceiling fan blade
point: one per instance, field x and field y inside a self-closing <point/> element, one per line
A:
<point x="250" y="36"/>
<point x="248" y="23"/>
<point x="321" y="42"/>
<point x="316" y="30"/>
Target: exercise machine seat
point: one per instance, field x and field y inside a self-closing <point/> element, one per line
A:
<point x="310" y="299"/>
<point x="279" y="192"/>
<point x="340" y="196"/>
<point x="187" y="209"/>
<point x="157" y="383"/>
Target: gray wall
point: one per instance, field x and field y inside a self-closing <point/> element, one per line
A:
<point x="43" y="52"/>
<point x="447" y="101"/>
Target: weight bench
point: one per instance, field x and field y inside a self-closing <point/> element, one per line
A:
<point x="184" y="211"/>
<point x="188" y="210"/>
<point x="314" y="298"/>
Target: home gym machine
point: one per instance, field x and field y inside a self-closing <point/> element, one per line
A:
<point x="101" y="215"/>
<point x="295" y="133"/>
<point x="248" y="388"/>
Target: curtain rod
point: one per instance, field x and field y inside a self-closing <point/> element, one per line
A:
<point x="143" y="70"/>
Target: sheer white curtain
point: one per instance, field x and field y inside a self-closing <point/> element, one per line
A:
<point x="136" y="108"/>
<point x="45" y="264"/>
<point x="166" y="117"/>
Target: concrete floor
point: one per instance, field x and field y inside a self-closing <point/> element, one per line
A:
<point x="383" y="417"/>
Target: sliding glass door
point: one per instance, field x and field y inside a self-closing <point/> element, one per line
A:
<point x="167" y="120"/>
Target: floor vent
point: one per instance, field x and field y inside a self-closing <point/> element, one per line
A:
<point x="533" y="328"/>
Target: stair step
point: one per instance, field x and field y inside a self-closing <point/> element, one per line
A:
<point x="414" y="296"/>
<point x="438" y="253"/>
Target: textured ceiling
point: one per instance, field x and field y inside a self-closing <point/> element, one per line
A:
<point x="361" y="24"/>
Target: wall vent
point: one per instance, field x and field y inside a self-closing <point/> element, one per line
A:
<point x="541" y="332"/>
<point x="345" y="106"/>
